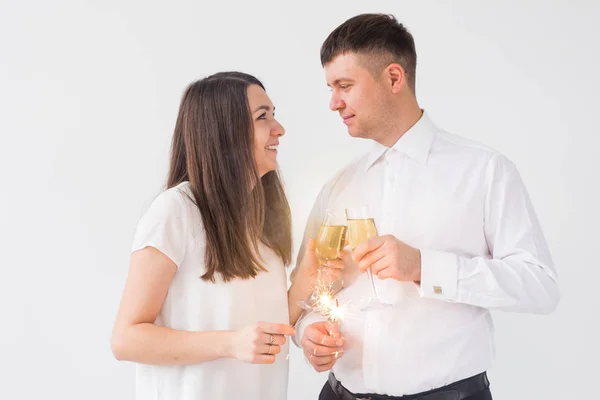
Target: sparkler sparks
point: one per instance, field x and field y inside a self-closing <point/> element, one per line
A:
<point x="327" y="304"/>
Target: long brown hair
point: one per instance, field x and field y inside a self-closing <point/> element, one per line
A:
<point x="212" y="149"/>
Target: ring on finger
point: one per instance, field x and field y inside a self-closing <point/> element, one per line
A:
<point x="269" y="351"/>
<point x="272" y="340"/>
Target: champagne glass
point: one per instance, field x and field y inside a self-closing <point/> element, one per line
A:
<point x="361" y="226"/>
<point x="329" y="242"/>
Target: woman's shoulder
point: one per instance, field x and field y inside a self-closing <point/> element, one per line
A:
<point x="175" y="199"/>
<point x="173" y="204"/>
<point x="166" y="224"/>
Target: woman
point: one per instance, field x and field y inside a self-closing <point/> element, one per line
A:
<point x="206" y="295"/>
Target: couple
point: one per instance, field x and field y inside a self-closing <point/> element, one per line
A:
<point x="206" y="295"/>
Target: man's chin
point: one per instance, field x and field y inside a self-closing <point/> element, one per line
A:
<point x="355" y="133"/>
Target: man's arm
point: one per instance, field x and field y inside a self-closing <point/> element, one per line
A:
<point x="520" y="276"/>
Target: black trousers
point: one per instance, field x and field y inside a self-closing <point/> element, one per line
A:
<point x="328" y="394"/>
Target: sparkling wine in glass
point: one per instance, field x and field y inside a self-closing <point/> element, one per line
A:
<point x="361" y="226"/>
<point x="329" y="242"/>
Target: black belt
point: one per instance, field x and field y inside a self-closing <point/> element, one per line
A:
<point x="454" y="391"/>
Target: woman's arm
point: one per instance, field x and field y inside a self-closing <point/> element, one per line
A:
<point x="136" y="338"/>
<point x="304" y="279"/>
<point x="296" y="293"/>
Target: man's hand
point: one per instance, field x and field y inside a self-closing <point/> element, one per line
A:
<point x="389" y="257"/>
<point x="322" y="344"/>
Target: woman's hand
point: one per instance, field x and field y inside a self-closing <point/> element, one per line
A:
<point x="260" y="342"/>
<point x="304" y="278"/>
<point x="308" y="270"/>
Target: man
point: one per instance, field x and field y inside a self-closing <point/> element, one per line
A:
<point x="458" y="236"/>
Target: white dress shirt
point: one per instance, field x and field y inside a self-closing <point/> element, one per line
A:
<point x="466" y="208"/>
<point x="174" y="226"/>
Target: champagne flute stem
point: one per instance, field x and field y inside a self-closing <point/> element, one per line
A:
<point x="373" y="291"/>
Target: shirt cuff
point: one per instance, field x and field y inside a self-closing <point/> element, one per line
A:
<point x="439" y="275"/>
<point x="304" y="321"/>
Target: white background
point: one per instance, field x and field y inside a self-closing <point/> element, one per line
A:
<point x="89" y="92"/>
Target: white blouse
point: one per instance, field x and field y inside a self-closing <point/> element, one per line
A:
<point x="174" y="226"/>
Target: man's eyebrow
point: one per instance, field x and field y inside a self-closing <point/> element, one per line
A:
<point x="337" y="81"/>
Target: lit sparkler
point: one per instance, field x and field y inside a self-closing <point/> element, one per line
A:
<point x="327" y="304"/>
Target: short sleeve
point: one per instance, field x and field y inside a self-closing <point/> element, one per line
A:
<point x="164" y="226"/>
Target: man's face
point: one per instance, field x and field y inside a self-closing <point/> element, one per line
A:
<point x="357" y="96"/>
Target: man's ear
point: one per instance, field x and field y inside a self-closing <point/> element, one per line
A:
<point x="395" y="76"/>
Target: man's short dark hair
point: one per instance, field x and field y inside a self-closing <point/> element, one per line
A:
<point x="380" y="37"/>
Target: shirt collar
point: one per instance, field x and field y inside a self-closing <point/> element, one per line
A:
<point x="415" y="143"/>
